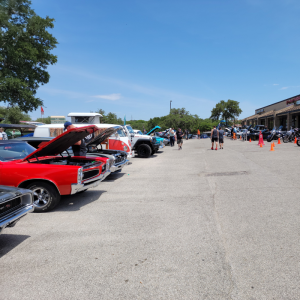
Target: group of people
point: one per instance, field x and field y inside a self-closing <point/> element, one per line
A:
<point x="217" y="136"/>
<point x="178" y="136"/>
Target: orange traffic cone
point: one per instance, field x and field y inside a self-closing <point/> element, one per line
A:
<point x="250" y="140"/>
<point x="278" y="141"/>
<point x="260" y="145"/>
<point x="241" y="137"/>
<point x="273" y="144"/>
<point x="295" y="142"/>
<point x="272" y="148"/>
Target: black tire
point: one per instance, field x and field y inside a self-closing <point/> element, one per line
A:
<point x="298" y="143"/>
<point x="45" y="196"/>
<point x="269" y="139"/>
<point x="144" y="151"/>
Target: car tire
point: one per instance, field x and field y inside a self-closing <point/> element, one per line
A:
<point x="144" y="151"/>
<point x="45" y="196"/>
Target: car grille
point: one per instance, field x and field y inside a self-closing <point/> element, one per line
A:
<point x="9" y="206"/>
<point x="119" y="159"/>
<point x="90" y="174"/>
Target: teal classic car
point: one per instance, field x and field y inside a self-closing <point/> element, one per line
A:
<point x="160" y="139"/>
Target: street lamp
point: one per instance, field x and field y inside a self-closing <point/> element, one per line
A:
<point x="170" y="105"/>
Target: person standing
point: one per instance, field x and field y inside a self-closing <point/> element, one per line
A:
<point x="79" y="148"/>
<point x="172" y="136"/>
<point x="221" y="138"/>
<point x="3" y="135"/>
<point x="198" y="133"/>
<point x="179" y="135"/>
<point x="214" y="137"/>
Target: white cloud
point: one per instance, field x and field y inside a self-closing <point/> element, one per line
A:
<point x="275" y="84"/>
<point x="111" y="97"/>
<point x="285" y="87"/>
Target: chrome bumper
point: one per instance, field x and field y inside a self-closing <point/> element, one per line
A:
<point x="130" y="155"/>
<point x="119" y="166"/>
<point x="90" y="183"/>
<point x="11" y="219"/>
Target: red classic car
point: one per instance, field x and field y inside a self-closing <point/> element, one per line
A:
<point x="48" y="174"/>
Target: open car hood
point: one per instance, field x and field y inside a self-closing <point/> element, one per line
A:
<point x="153" y="129"/>
<point x="103" y="135"/>
<point x="62" y="142"/>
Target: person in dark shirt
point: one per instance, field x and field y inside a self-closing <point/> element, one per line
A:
<point x="214" y="138"/>
<point x="221" y="138"/>
<point x="79" y="148"/>
<point x="179" y="135"/>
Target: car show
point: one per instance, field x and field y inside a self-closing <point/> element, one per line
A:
<point x="149" y="149"/>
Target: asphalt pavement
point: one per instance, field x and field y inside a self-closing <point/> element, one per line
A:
<point x="188" y="224"/>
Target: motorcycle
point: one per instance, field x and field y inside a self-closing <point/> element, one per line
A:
<point x="289" y="136"/>
<point x="275" y="134"/>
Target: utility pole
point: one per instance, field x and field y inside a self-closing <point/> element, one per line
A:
<point x="170" y="106"/>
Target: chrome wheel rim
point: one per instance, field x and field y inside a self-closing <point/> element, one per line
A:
<point x="41" y="197"/>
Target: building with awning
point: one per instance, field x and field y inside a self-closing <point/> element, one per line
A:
<point x="285" y="113"/>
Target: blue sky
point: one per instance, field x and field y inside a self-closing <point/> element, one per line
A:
<point x="133" y="57"/>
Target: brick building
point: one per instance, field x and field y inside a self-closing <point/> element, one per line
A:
<point x="285" y="112"/>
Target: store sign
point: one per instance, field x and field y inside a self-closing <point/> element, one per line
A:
<point x="258" y="111"/>
<point x="292" y="100"/>
<point x="297" y="102"/>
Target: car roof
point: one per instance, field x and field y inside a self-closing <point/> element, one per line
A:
<point x="11" y="141"/>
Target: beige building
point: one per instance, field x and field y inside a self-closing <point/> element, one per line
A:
<point x="285" y="113"/>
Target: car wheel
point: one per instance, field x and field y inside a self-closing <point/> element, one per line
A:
<point x="45" y="196"/>
<point x="144" y="151"/>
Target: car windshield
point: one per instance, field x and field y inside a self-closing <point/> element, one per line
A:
<point x="139" y="132"/>
<point x="130" y="129"/>
<point x="11" y="151"/>
<point x="121" y="133"/>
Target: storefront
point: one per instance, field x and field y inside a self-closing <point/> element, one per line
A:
<point x="284" y="113"/>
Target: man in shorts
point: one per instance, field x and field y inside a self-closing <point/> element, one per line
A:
<point x="214" y="137"/>
<point x="179" y="135"/>
<point x="221" y="138"/>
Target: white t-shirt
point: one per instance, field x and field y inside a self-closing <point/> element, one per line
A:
<point x="3" y="135"/>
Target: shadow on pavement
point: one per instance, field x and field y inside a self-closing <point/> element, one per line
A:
<point x="9" y="241"/>
<point x="75" y="202"/>
<point x="114" y="176"/>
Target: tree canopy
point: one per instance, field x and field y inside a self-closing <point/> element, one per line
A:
<point x="228" y="110"/>
<point x="13" y="115"/>
<point x="25" y="53"/>
<point x="178" y="118"/>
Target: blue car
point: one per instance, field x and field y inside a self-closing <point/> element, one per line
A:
<point x="204" y="136"/>
<point x="160" y="140"/>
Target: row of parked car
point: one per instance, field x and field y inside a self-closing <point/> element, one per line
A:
<point x="37" y="169"/>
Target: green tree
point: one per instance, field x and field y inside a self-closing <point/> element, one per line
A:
<point x="46" y="120"/>
<point x="13" y="115"/>
<point x="228" y="110"/>
<point x="25" y="53"/>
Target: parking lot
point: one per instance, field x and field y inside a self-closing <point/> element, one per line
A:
<point x="190" y="224"/>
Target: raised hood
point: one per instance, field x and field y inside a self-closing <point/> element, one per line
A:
<point x="62" y="142"/>
<point x="104" y="134"/>
<point x="153" y="129"/>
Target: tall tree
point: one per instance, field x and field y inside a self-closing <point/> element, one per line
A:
<point x="25" y="53"/>
<point x="228" y="110"/>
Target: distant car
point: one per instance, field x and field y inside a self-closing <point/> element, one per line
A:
<point x="15" y="203"/>
<point x="204" y="136"/>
